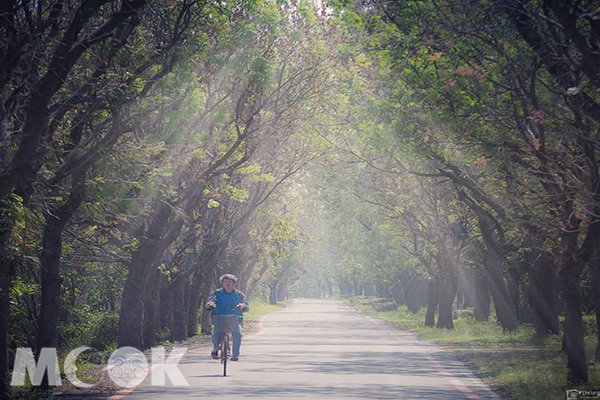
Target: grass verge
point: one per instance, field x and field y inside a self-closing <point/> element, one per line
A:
<point x="519" y="365"/>
<point x="259" y="308"/>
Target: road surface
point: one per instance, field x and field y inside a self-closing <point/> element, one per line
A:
<point x="322" y="349"/>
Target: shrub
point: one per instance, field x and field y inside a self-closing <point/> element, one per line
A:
<point x="387" y="306"/>
<point x="104" y="330"/>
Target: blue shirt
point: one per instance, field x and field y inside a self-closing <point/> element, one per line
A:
<point x="226" y="302"/>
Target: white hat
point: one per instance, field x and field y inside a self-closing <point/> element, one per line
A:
<point x="228" y="276"/>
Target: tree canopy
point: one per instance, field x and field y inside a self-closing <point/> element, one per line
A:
<point x="441" y="154"/>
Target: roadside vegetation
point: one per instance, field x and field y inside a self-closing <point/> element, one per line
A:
<point x="91" y="364"/>
<point x="519" y="365"/>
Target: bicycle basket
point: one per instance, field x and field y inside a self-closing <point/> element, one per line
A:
<point x="225" y="323"/>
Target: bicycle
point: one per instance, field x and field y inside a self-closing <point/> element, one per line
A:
<point x="224" y="324"/>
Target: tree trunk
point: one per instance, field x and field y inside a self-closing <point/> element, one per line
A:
<point x="408" y="292"/>
<point x="206" y="320"/>
<point x="179" y="329"/>
<point x="151" y="308"/>
<point x="166" y="304"/>
<point x="398" y="293"/>
<point x="594" y="271"/>
<point x="6" y="225"/>
<point x="273" y="294"/>
<point x="433" y="300"/>
<point x="448" y="289"/>
<point x="132" y="303"/>
<point x="50" y="258"/>
<point x="282" y="290"/>
<point x="482" y="296"/>
<point x="542" y="293"/>
<point x="513" y="281"/>
<point x="574" y="331"/>
<point x="202" y="284"/>
<point x="570" y="277"/>
<point x="505" y="311"/>
<point x="193" y="303"/>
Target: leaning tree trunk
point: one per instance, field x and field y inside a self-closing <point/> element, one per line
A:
<point x="594" y="271"/>
<point x="56" y="220"/>
<point x="506" y="314"/>
<point x="505" y="311"/>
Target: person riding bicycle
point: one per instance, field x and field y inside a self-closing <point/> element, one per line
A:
<point x="227" y="300"/>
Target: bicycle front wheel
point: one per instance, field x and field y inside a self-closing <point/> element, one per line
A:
<point x="225" y="353"/>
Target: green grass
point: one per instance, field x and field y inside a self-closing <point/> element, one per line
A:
<point x="519" y="364"/>
<point x="259" y="308"/>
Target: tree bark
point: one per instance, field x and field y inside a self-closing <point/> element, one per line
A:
<point x="543" y="293"/>
<point x="446" y="300"/>
<point x="166" y="305"/>
<point x="144" y="258"/>
<point x="151" y="308"/>
<point x="482" y="296"/>
<point x="273" y="293"/>
<point x="448" y="287"/>
<point x="574" y="331"/>
<point x="282" y="290"/>
<point x="506" y="314"/>
<point x="433" y="300"/>
<point x="179" y="329"/>
<point x="513" y="283"/>
<point x="594" y="271"/>
<point x="50" y="258"/>
<point x="205" y="318"/>
<point x="193" y="303"/>
<point x="6" y="225"/>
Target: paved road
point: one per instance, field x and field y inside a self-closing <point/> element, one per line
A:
<point x="318" y="348"/>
